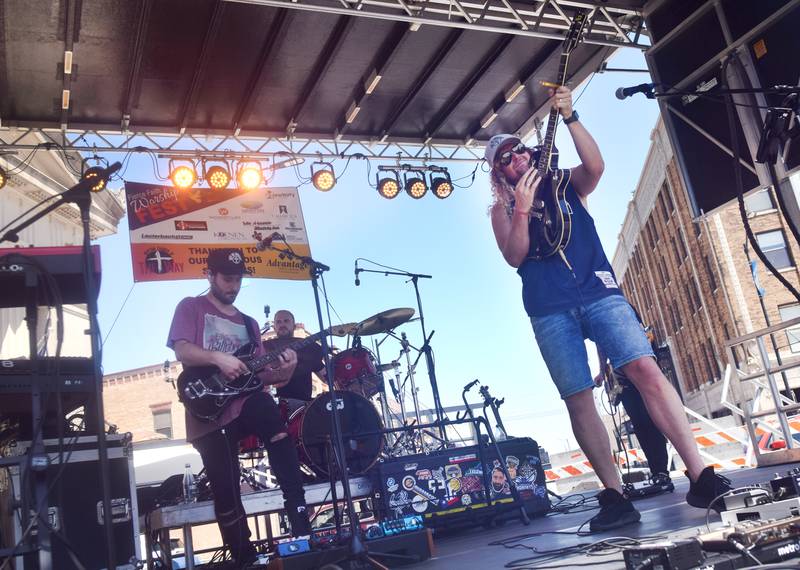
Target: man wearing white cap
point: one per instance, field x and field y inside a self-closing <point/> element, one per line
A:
<point x="574" y="295"/>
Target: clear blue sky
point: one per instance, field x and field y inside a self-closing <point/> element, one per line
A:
<point x="473" y="301"/>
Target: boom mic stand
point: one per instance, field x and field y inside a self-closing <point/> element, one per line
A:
<point x="426" y="347"/>
<point x="81" y="196"/>
<point x="358" y="550"/>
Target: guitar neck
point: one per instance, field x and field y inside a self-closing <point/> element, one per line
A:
<point x="543" y="166"/>
<point x="258" y="364"/>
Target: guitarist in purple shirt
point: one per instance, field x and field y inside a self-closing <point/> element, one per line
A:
<point x="205" y="331"/>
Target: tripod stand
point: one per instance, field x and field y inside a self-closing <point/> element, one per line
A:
<point x="356" y="552"/>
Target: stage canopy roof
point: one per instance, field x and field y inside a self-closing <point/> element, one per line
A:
<point x="403" y="71"/>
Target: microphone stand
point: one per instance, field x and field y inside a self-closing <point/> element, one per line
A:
<point x="426" y="347"/>
<point x="80" y="195"/>
<point x="357" y="548"/>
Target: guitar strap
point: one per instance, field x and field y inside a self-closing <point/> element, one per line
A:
<point x="250" y="324"/>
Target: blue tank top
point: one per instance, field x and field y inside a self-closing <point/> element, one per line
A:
<point x="548" y="285"/>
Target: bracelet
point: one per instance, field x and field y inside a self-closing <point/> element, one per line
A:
<point x="521" y="213"/>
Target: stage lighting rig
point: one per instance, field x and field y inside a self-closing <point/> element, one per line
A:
<point x="183" y="176"/>
<point x="95" y="172"/>
<point x="441" y="185"/>
<point x="249" y="175"/>
<point x="322" y="176"/>
<point x="218" y="177"/>
<point x="388" y="187"/>
<point x="415" y="184"/>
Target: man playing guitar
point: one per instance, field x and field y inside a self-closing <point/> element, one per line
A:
<point x="573" y="294"/>
<point x="205" y="331"/>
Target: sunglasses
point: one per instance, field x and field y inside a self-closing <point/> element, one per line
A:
<point x="505" y="158"/>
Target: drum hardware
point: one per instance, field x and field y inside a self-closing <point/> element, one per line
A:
<point x="356" y="550"/>
<point x="426" y="347"/>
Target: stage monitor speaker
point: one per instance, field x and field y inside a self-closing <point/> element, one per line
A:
<point x="690" y="35"/>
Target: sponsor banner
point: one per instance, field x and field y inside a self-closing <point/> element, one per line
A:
<point x="172" y="230"/>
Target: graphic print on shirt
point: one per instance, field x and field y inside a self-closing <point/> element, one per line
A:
<point x="223" y="335"/>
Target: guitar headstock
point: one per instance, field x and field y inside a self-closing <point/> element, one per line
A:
<point x="575" y="32"/>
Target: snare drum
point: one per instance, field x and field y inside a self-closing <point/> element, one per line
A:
<point x="354" y="370"/>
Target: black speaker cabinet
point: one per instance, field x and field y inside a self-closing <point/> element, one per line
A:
<point x="688" y="38"/>
<point x="75" y="504"/>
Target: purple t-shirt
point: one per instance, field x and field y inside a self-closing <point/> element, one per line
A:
<point x="198" y="321"/>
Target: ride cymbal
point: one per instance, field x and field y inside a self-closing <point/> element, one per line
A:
<point x="384" y="321"/>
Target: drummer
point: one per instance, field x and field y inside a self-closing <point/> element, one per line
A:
<point x="297" y="390"/>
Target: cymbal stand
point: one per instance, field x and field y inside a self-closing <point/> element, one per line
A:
<point x="426" y="347"/>
<point x="414" y="396"/>
<point x="398" y="395"/>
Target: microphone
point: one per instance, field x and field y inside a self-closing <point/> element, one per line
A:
<point x="358" y="281"/>
<point x="646" y="88"/>
<point x="267" y="241"/>
<point x="469" y="386"/>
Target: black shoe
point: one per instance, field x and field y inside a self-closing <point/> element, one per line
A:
<point x="662" y="482"/>
<point x="708" y="486"/>
<point x="615" y="511"/>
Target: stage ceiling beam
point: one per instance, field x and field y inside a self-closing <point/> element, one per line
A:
<point x="320" y="67"/>
<point x="441" y="53"/>
<point x="441" y="117"/>
<point x="202" y="64"/>
<point x="246" y="105"/>
<point x="550" y="20"/>
<point x="134" y="77"/>
<point x="71" y="25"/>
<point x="390" y="47"/>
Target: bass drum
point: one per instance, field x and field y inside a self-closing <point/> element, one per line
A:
<point x="310" y="427"/>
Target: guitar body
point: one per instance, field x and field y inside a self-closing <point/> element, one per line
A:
<point x="206" y="392"/>
<point x="550" y="225"/>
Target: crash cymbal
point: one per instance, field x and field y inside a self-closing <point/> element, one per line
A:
<point x="384" y="321"/>
<point x="344" y="330"/>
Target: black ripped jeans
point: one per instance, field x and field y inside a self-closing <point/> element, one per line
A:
<point x="219" y="451"/>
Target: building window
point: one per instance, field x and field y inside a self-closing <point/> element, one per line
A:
<point x="664" y="210"/>
<point x="789" y="312"/>
<point x="662" y="270"/>
<point x="692" y="379"/>
<point x="697" y="225"/>
<point x="712" y="361"/>
<point x="760" y="201"/>
<point x="773" y="244"/>
<point x="677" y="323"/>
<point x="712" y="279"/>
<point x="694" y="295"/>
<point x="162" y="421"/>
<point x="667" y="197"/>
<point x="651" y="233"/>
<point x="681" y="247"/>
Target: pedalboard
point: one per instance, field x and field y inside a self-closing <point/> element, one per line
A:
<point x="763" y="512"/>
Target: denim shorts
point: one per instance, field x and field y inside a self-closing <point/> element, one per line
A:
<point x="610" y="322"/>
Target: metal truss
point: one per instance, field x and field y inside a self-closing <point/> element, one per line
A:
<point x="230" y="147"/>
<point x="608" y="24"/>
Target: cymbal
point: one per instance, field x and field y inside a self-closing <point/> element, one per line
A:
<point x="384" y="321"/>
<point x="344" y="330"/>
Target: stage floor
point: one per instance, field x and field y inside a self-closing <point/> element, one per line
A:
<point x="667" y="516"/>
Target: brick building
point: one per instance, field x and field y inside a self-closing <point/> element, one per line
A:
<point x="690" y="278"/>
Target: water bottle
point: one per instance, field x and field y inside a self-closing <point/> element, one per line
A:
<point x="189" y="486"/>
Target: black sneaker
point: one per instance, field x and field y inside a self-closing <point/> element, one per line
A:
<point x="662" y="482"/>
<point x="707" y="487"/>
<point x="615" y="511"/>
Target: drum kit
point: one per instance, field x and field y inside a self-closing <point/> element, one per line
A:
<point x="361" y="400"/>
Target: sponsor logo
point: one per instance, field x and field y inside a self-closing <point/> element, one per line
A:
<point x="230" y="236"/>
<point x="191" y="225"/>
<point x="252" y="205"/>
<point x="223" y="211"/>
<point x="159" y="260"/>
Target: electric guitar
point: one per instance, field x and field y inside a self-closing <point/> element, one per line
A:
<point x="551" y="216"/>
<point x="206" y="392"/>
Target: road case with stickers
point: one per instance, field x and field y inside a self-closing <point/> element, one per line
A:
<point x="450" y="485"/>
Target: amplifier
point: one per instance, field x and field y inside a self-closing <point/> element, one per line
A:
<point x="447" y="486"/>
<point x="75" y="504"/>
